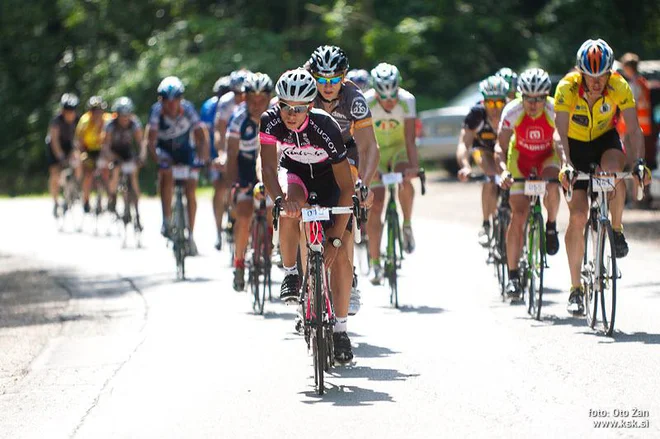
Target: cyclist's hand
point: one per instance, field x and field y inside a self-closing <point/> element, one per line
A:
<point x="506" y="180"/>
<point x="218" y="164"/>
<point x="464" y="174"/>
<point x="291" y="208"/>
<point x="329" y="254"/>
<point x="369" y="201"/>
<point x="563" y="177"/>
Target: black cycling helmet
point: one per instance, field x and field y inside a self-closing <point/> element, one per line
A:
<point x="328" y="61"/>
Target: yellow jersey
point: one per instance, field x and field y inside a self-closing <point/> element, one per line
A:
<point x="589" y="123"/>
<point x="90" y="135"/>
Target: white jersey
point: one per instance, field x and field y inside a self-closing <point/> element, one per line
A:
<point x="226" y="106"/>
<point x="389" y="126"/>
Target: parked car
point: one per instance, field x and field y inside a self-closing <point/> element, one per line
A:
<point x="441" y="127"/>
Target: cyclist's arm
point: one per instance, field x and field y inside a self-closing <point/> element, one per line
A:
<point x="562" y="119"/>
<point x="150" y="141"/>
<point x="55" y="142"/>
<point x="202" y="142"/>
<point x="219" y="137"/>
<point x="368" y="151"/>
<point x="342" y="173"/>
<point x="409" y="129"/>
<point x="634" y="132"/>
<point x="232" y="158"/>
<point x="105" y="146"/>
<point x="462" y="152"/>
<point x="502" y="147"/>
<point x="138" y="135"/>
<point x="269" y="170"/>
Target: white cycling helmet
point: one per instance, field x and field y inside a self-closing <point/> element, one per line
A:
<point x="258" y="83"/>
<point x="534" y="81"/>
<point x="494" y="87"/>
<point x="360" y="77"/>
<point x="296" y="86"/>
<point x="509" y="76"/>
<point x="171" y="87"/>
<point x="595" y="58"/>
<point x="222" y="85"/>
<point x="123" y="106"/>
<point x="69" y="101"/>
<point x="385" y="79"/>
<point x="237" y="78"/>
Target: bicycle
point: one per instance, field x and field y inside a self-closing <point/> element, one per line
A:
<point x="131" y="213"/>
<point x="180" y="233"/>
<point x="315" y="297"/>
<point x="599" y="271"/>
<point x="394" y="250"/>
<point x="259" y="262"/>
<point x="533" y="259"/>
<point x="72" y="194"/>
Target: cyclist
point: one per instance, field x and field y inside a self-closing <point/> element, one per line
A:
<point x="171" y="122"/>
<point x="59" y="143"/>
<point x="224" y="110"/>
<point x="346" y="104"/>
<point x="394" y="113"/>
<point x="207" y="115"/>
<point x="122" y="135"/>
<point x="511" y="79"/>
<point x="314" y="155"/>
<point x="89" y="140"/>
<point x="242" y="151"/>
<point x="360" y="77"/>
<point x="480" y="134"/>
<point x="527" y="131"/>
<point x="586" y="105"/>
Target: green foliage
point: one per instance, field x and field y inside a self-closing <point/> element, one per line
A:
<point x="121" y="47"/>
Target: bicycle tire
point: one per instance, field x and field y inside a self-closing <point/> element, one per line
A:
<point x="179" y="237"/>
<point x="587" y="274"/>
<point x="503" y="268"/>
<point x="608" y="276"/>
<point x="318" y="339"/>
<point x="536" y="266"/>
<point x="258" y="240"/>
<point x="392" y="238"/>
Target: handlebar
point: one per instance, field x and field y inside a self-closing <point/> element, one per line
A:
<point x="312" y="201"/>
<point x="572" y="176"/>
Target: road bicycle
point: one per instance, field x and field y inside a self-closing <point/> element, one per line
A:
<point x="315" y="296"/>
<point x="180" y="231"/>
<point x="599" y="270"/>
<point x="258" y="261"/>
<point x="130" y="217"/>
<point x="394" y="249"/>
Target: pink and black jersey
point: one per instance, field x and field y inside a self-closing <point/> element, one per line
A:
<point x="308" y="152"/>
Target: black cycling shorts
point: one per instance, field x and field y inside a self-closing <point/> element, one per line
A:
<point x="583" y="154"/>
<point x="50" y="156"/>
<point x="124" y="154"/>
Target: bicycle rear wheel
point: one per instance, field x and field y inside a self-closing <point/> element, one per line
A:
<point x="257" y="269"/>
<point x="536" y="266"/>
<point x="179" y="238"/>
<point x="608" y="274"/>
<point x="588" y="274"/>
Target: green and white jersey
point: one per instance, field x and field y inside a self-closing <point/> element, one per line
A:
<point x="389" y="127"/>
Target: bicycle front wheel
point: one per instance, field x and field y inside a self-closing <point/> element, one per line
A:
<point x="536" y="266"/>
<point x="391" y="260"/>
<point x="500" y="252"/>
<point x="607" y="276"/>
<point x="179" y="238"/>
<point x="588" y="274"/>
<point x="318" y="336"/>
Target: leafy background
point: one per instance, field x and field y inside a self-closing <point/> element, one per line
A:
<point x="120" y="47"/>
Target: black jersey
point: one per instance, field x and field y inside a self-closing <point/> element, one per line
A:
<point x="309" y="151"/>
<point x="477" y="120"/>
<point x="67" y="132"/>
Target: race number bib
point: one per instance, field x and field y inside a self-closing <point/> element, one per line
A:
<point x="602" y="184"/>
<point x="180" y="172"/>
<point x="392" y="178"/>
<point x="534" y="188"/>
<point x="128" y="167"/>
<point x="315" y="214"/>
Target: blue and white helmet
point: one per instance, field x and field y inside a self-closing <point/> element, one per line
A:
<point x="171" y="87"/>
<point x="296" y="86"/>
<point x="222" y="85"/>
<point x="594" y="58"/>
<point x="385" y="79"/>
<point x="360" y="77"/>
<point x="237" y="78"/>
<point x="494" y="87"/>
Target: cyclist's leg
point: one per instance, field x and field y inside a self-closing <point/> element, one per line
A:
<point x="519" y="168"/>
<point x="219" y="198"/>
<point x="89" y="166"/>
<point x="54" y="181"/>
<point x="244" y="209"/>
<point x="406" y="189"/>
<point x="165" y="183"/>
<point x="191" y="199"/>
<point x="489" y="189"/>
<point x="375" y="222"/>
<point x="550" y="170"/>
<point x="289" y="238"/>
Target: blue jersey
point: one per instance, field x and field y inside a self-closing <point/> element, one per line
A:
<point x="174" y="133"/>
<point x="207" y="116"/>
<point x="242" y="127"/>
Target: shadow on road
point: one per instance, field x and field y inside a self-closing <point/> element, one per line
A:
<point x="41" y="296"/>
<point x="636" y="337"/>
<point x="562" y="321"/>
<point x="347" y="396"/>
<point x="416" y="309"/>
<point x="366" y="350"/>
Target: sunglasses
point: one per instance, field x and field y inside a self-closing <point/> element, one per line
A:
<point x="334" y="80"/>
<point x="492" y="103"/>
<point x="534" y="99"/>
<point x="388" y="97"/>
<point x="296" y="109"/>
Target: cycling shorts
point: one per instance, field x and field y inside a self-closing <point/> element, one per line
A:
<point x="389" y="159"/>
<point x="522" y="167"/>
<point x="583" y="154"/>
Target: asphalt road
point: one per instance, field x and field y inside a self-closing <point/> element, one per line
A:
<point x="98" y="341"/>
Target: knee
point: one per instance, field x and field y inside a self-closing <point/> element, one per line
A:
<point x="578" y="218"/>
